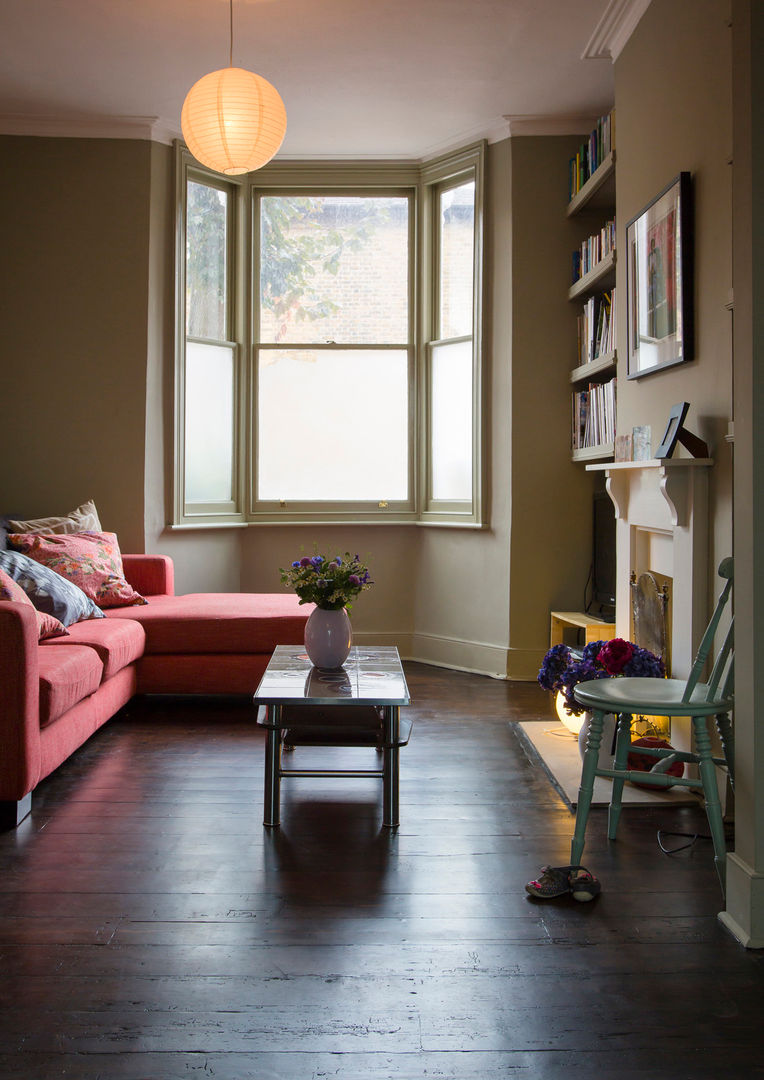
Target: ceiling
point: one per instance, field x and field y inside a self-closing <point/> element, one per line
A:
<point x="359" y="78"/>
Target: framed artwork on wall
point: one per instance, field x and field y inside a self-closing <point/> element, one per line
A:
<point x="659" y="256"/>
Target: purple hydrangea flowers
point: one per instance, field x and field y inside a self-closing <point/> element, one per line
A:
<point x="560" y="672"/>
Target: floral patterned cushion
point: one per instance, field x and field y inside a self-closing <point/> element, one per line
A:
<point x="90" y="560"/>
<point x="47" y="625"/>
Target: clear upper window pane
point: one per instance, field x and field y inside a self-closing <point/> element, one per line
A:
<point x="209" y="423"/>
<point x="451" y="421"/>
<point x="206" y="261"/>
<point x="332" y="425"/>
<point x="457" y="241"/>
<point x="334" y="269"/>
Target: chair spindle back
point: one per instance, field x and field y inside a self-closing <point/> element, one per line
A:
<point x="726" y="570"/>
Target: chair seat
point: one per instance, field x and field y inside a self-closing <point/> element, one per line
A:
<point x="661" y="697"/>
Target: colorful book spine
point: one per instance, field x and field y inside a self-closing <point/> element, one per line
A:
<point x="592" y="153"/>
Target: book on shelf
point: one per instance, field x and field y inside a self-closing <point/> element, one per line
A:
<point x="594" y="411"/>
<point x="591" y="153"/>
<point x="593" y="250"/>
<point x="596" y="327"/>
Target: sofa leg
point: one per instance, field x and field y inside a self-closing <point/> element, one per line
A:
<point x="12" y="813"/>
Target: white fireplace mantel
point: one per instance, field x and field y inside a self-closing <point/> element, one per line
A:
<point x="675" y="483"/>
<point x="661" y="508"/>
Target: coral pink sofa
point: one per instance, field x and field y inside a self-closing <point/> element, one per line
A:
<point x="54" y="694"/>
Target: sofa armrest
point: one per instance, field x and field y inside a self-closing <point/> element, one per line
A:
<point x="19" y="701"/>
<point x="150" y="575"/>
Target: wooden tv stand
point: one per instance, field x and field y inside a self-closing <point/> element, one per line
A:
<point x="593" y="627"/>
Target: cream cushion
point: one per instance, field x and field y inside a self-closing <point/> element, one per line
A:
<point x="83" y="519"/>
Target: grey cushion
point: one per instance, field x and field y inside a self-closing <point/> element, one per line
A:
<point x="48" y="591"/>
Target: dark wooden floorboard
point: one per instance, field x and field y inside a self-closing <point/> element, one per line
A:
<point x="152" y="929"/>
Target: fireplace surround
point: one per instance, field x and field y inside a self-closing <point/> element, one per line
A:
<point x="661" y="509"/>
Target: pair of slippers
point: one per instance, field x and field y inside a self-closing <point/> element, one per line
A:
<point x="575" y="881"/>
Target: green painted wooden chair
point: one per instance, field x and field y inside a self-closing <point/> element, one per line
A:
<point x="627" y="697"/>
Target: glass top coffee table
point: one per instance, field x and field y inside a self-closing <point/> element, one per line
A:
<point x="357" y="705"/>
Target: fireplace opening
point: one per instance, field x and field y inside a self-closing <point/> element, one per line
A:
<point x="651" y="629"/>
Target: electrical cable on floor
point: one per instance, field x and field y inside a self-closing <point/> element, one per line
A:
<point x="682" y="847"/>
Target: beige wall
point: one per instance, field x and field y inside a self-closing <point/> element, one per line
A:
<point x="74" y="217"/>
<point x="550" y="536"/>
<point x="674" y="113"/>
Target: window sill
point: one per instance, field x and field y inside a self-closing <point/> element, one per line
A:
<point x="349" y="523"/>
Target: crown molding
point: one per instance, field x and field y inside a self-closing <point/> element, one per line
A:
<point x="617" y="24"/>
<point x="492" y="131"/>
<point x="87" y="127"/>
<point x="538" y="124"/>
<point x="156" y="130"/>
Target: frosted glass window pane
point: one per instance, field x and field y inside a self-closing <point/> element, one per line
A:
<point x="457" y="239"/>
<point x="333" y="425"/>
<point x="206" y="236"/>
<point x="334" y="269"/>
<point x="451" y="419"/>
<point x="209" y="423"/>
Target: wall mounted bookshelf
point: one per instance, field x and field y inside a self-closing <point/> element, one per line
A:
<point x="601" y="276"/>
<point x="598" y="190"/>
<point x="593" y="379"/>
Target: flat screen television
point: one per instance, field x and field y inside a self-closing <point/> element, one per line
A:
<point x="603" y="555"/>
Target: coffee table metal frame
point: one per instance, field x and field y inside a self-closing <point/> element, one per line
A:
<point x="291" y="688"/>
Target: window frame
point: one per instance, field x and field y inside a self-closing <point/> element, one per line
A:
<point x="297" y="182"/>
<point x="224" y="512"/>
<point x="420" y="183"/>
<point x="437" y="177"/>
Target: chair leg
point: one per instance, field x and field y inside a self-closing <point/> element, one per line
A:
<point x="623" y="740"/>
<point x="586" y="789"/>
<point x="724" y="727"/>
<point x="707" y="771"/>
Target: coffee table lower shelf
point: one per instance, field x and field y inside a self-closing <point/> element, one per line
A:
<point x="286" y="730"/>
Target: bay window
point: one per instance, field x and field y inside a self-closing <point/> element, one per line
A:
<point x="328" y="361"/>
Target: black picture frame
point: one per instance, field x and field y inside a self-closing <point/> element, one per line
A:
<point x="673" y="427"/>
<point x="659" y="281"/>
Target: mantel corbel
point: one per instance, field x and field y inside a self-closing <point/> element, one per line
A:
<point x="672" y="484"/>
<point x="617" y="487"/>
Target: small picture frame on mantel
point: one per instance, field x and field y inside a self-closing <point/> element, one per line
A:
<point x="676" y="432"/>
<point x="659" y="290"/>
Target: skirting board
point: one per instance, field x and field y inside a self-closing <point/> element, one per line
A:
<point x="559" y="756"/>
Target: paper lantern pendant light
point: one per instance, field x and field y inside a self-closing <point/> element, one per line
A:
<point x="233" y="121"/>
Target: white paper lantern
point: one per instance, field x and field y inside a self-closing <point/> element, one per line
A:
<point x="233" y="121"/>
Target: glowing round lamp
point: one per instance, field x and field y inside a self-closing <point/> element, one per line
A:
<point x="233" y="121"/>
<point x="572" y="723"/>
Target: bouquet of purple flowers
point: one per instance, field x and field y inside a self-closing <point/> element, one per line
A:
<point x="561" y="672"/>
<point x="330" y="584"/>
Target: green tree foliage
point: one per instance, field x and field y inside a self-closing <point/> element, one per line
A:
<point x="303" y="238"/>
<point x="206" y="209"/>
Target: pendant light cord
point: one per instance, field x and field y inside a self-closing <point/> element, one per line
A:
<point x="230" y="52"/>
